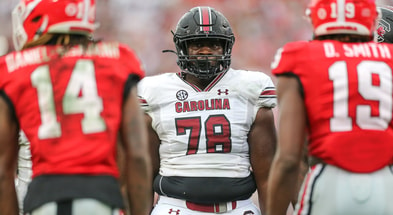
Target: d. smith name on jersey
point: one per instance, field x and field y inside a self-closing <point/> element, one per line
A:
<point x="201" y="105"/>
<point x="358" y="50"/>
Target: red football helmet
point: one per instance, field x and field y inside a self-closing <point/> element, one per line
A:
<point x="343" y="17"/>
<point x="33" y="18"/>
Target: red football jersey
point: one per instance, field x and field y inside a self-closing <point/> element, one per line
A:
<point x="69" y="104"/>
<point x="348" y="97"/>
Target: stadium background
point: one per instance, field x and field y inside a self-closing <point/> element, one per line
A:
<point x="260" y="27"/>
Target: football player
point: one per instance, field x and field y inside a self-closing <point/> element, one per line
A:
<point x="336" y="90"/>
<point x="208" y="124"/>
<point x="71" y="96"/>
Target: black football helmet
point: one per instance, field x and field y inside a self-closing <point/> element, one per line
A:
<point x="203" y="23"/>
<point x="385" y="26"/>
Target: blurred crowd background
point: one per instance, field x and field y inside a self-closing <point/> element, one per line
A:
<point x="260" y="27"/>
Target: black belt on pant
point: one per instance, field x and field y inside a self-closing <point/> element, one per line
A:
<point x="211" y="208"/>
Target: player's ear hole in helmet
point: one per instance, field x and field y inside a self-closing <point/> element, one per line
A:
<point x="203" y="24"/>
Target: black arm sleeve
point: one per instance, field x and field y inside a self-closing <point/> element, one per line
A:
<point x="131" y="82"/>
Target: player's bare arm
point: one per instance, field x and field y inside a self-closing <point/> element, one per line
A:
<point x="304" y="167"/>
<point x="262" y="140"/>
<point x="8" y="158"/>
<point x="154" y="144"/>
<point x="138" y="163"/>
<point x="287" y="164"/>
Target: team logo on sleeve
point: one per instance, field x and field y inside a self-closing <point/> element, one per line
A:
<point x="181" y="95"/>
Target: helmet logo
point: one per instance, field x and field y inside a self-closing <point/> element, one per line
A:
<point x="366" y="12"/>
<point x="322" y="13"/>
<point x="78" y="10"/>
<point x="71" y="9"/>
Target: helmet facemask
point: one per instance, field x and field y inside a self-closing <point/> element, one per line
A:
<point x="204" y="66"/>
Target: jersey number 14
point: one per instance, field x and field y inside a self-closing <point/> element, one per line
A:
<point x="82" y="81"/>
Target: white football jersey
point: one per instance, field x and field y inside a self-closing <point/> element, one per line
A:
<point x="203" y="133"/>
<point x="24" y="169"/>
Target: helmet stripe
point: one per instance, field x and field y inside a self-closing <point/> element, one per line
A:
<point x="205" y="18"/>
<point x="86" y="12"/>
<point x="341" y="10"/>
<point x="210" y="19"/>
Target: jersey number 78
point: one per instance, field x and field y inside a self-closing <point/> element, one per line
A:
<point x="217" y="132"/>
